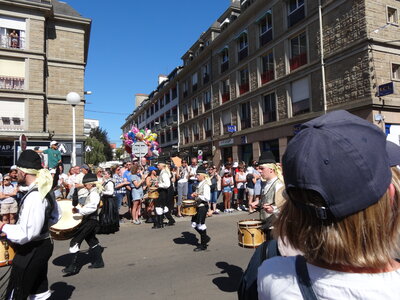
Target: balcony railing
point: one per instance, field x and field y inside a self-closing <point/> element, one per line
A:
<point x="11" y="124"/>
<point x="207" y="105"/>
<point x="243" y="53"/>
<point x="267" y="76"/>
<point x="11" y="83"/>
<point x="298" y="61"/>
<point x="225" y="97"/>
<point x="245" y="123"/>
<point x="172" y="119"/>
<point x="195" y="111"/>
<point x="12" y="42"/>
<point x="296" y="16"/>
<point x="206" y="78"/>
<point x="301" y="107"/>
<point x="244" y="88"/>
<point x="266" y="37"/>
<point x="163" y="124"/>
<point x="224" y="66"/>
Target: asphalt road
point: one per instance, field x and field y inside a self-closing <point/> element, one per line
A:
<point x="143" y="263"/>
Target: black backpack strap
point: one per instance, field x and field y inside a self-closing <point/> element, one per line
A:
<point x="303" y="279"/>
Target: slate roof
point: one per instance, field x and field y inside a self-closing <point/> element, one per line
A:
<point x="63" y="8"/>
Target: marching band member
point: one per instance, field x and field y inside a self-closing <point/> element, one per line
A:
<point x="87" y="231"/>
<point x="34" y="247"/>
<point x="161" y="204"/>
<point x="202" y="197"/>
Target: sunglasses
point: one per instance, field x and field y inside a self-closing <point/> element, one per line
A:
<point x="8" y="179"/>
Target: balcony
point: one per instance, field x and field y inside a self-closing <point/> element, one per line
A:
<point x="225" y="97"/>
<point x="195" y="112"/>
<point x="185" y="93"/>
<point x="208" y="133"/>
<point x="206" y="78"/>
<point x="243" y="53"/>
<point x="245" y="123"/>
<point x="296" y="16"/>
<point x="224" y="66"/>
<point x="298" y="61"/>
<point x="196" y="136"/>
<point x="267" y="76"/>
<point x="244" y="88"/>
<point x="172" y="119"/>
<point x="194" y="87"/>
<point x="163" y="124"/>
<point x="265" y="37"/>
<point x="11" y="83"/>
<point x="11" y="124"/>
<point x="185" y="117"/>
<point x="207" y="106"/>
<point x="12" y="43"/>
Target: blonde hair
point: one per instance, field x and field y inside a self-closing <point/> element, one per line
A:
<point x="368" y="238"/>
<point x="277" y="169"/>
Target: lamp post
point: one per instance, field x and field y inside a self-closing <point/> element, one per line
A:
<point x="73" y="99"/>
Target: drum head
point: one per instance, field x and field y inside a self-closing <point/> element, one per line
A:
<point x="188" y="202"/>
<point x="68" y="220"/>
<point x="252" y="222"/>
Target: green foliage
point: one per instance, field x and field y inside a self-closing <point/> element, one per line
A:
<point x="97" y="155"/>
<point x="102" y="136"/>
<point x="119" y="152"/>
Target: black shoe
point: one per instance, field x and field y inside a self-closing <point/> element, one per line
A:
<point x="207" y="239"/>
<point x="73" y="268"/>
<point x="97" y="257"/>
<point x="200" y="248"/>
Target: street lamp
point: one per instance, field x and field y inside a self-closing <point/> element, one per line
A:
<point x="73" y="99"/>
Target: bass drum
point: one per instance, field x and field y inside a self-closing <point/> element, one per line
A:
<point x="69" y="223"/>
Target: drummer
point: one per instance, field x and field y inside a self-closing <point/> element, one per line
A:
<point x="202" y="197"/>
<point x="87" y="231"/>
<point x="271" y="175"/>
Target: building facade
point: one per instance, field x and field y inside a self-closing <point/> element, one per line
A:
<point x="43" y="54"/>
<point x="265" y="67"/>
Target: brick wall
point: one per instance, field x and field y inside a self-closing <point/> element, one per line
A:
<point x="66" y="46"/>
<point x="35" y="75"/>
<point x="36" y="35"/>
<point x="61" y="81"/>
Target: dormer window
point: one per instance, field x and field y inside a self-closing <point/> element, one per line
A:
<point x="242" y="45"/>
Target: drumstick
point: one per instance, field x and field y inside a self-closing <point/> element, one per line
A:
<point x="257" y="209"/>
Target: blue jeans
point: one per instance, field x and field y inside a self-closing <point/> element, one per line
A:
<point x="214" y="197"/>
<point x="119" y="197"/>
<point x="190" y="188"/>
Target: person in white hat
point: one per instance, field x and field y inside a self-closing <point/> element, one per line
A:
<point x="53" y="155"/>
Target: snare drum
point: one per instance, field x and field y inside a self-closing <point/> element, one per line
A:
<point x="250" y="234"/>
<point x="69" y="223"/>
<point x="7" y="252"/>
<point x="188" y="207"/>
<point x="152" y="193"/>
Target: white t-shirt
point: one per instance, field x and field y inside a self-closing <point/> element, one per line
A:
<point x="277" y="280"/>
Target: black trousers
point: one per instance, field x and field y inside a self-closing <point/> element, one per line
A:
<point x="87" y="231"/>
<point x="200" y="217"/>
<point x="162" y="198"/>
<point x="29" y="269"/>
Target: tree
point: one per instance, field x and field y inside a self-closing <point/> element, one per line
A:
<point x="102" y="136"/>
<point x="96" y="155"/>
<point x="119" y="152"/>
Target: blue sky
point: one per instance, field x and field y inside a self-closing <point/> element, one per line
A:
<point x="131" y="43"/>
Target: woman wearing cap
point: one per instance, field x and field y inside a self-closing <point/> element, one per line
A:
<point x="87" y="230"/>
<point x="34" y="247"/>
<point x="202" y="197"/>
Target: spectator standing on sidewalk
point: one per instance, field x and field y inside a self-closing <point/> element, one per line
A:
<point x="192" y="177"/>
<point x="183" y="177"/>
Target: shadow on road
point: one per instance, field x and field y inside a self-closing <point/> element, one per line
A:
<point x="61" y="291"/>
<point x="230" y="283"/>
<point x="187" y="238"/>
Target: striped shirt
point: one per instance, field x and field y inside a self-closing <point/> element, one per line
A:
<point x="118" y="180"/>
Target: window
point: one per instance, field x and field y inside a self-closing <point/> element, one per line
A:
<point x="174" y="133"/>
<point x="265" y="27"/>
<point x="300" y="96"/>
<point x="195" y="106"/>
<point x="225" y="91"/>
<point x="245" y="117"/>
<point x="296" y="12"/>
<point x="12" y="115"/>
<point x="167" y="98"/>
<point x="206" y="73"/>
<point x="242" y="46"/>
<point x="156" y="106"/>
<point x="224" y="60"/>
<point x="392" y="16"/>
<point x="148" y="113"/>
<point x="196" y="135"/>
<point x="12" y="32"/>
<point x="396" y="71"/>
<point x="226" y="120"/>
<point x="185" y="88"/>
<point x="207" y="127"/>
<point x="174" y="92"/>
<point x="12" y="73"/>
<point x="194" y="82"/>
<point x="298" y="51"/>
<point x="267" y="68"/>
<point x="186" y="134"/>
<point x="207" y="100"/>
<point x="244" y="81"/>
<point x="269" y="108"/>
<point x="152" y="110"/>
<point x="185" y="112"/>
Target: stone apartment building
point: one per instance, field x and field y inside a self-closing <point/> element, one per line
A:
<point x="261" y="62"/>
<point x="43" y="54"/>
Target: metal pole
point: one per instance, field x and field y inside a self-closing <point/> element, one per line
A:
<point x="321" y="38"/>
<point x="73" y="155"/>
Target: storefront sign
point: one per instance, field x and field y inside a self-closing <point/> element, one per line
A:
<point x="6" y="148"/>
<point x="385" y="89"/>
<point x="226" y="142"/>
<point x="231" y="128"/>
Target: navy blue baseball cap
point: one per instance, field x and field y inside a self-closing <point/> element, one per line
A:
<point x="343" y="158"/>
<point x="393" y="151"/>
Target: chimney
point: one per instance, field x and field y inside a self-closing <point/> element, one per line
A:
<point x="139" y="98"/>
<point x="162" y="78"/>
